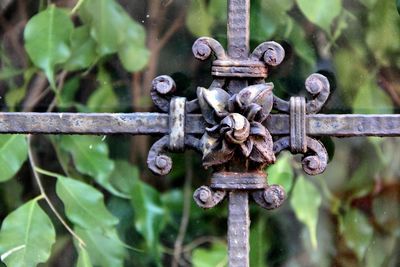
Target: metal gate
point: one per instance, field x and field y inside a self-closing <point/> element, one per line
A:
<point x="237" y="124"/>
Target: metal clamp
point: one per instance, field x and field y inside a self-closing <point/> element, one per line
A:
<point x="177" y="113"/>
<point x="298" y="140"/>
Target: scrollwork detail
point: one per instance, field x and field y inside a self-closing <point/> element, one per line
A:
<point x="161" y="91"/>
<point x="271" y="197"/>
<point x="271" y="53"/>
<point x="314" y="161"/>
<point x="203" y="47"/>
<point x="207" y="198"/>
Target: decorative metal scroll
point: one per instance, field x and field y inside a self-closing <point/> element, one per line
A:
<point x="237" y="124"/>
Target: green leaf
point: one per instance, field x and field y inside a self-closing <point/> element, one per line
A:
<point x="383" y="25"/>
<point x="84" y="205"/>
<point x="26" y="236"/>
<point x="321" y="12"/>
<point x="15" y="95"/>
<point x="124" y="176"/>
<point x="199" y="21"/>
<point x="269" y="17"/>
<point x="132" y="52"/>
<point x="13" y="153"/>
<point x="306" y="200"/>
<point x="357" y="232"/>
<point x="104" y="98"/>
<point x="46" y="40"/>
<point x="281" y="172"/>
<point x="83" y="258"/>
<point x="107" y="22"/>
<point x="371" y="99"/>
<point x="148" y="213"/>
<point x="104" y="247"/>
<point x="83" y="52"/>
<point x="90" y="156"/>
<point x="214" y="257"/>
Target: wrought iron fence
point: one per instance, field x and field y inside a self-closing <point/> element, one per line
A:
<point x="237" y="124"/>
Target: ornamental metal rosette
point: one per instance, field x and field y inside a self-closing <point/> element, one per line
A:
<point x="236" y="123"/>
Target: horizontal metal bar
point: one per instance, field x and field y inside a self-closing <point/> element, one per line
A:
<point x="339" y="125"/>
<point x="93" y="123"/>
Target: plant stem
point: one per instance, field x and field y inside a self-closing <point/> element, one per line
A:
<point x="43" y="193"/>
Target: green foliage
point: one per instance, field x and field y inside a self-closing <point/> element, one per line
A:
<point x="282" y="172"/>
<point x="305" y="202"/>
<point x="26" y="236"/>
<point x="214" y="257"/>
<point x="46" y="40"/>
<point x="103" y="246"/>
<point x="358" y="232"/>
<point x="84" y="205"/>
<point x="351" y="209"/>
<point x="13" y="153"/>
<point x="320" y="12"/>
<point x="90" y="157"/>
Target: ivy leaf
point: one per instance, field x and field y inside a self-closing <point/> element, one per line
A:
<point x="83" y="258"/>
<point x="90" y="156"/>
<point x="321" y="12"/>
<point x="84" y="205"/>
<point x="199" y="21"/>
<point x="83" y="49"/>
<point x="13" y="153"/>
<point x="103" y="246"/>
<point x="305" y="201"/>
<point x="281" y="172"/>
<point x="26" y="236"/>
<point x="46" y="40"/>
<point x="104" y="98"/>
<point x="148" y="213"/>
<point x="357" y="232"/>
<point x="215" y="256"/>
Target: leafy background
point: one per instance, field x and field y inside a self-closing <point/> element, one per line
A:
<point x="90" y="200"/>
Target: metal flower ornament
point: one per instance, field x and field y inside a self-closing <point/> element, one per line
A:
<point x="235" y="125"/>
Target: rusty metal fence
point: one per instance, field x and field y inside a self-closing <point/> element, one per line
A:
<point x="237" y="124"/>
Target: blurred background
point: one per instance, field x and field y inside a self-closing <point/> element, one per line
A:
<point x="101" y="56"/>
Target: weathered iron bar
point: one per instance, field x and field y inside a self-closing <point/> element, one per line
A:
<point x="94" y="123"/>
<point x="335" y="125"/>
<point x="238" y="208"/>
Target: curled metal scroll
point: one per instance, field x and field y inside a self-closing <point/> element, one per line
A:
<point x="271" y="197"/>
<point x="318" y="86"/>
<point x="207" y="198"/>
<point x="162" y="88"/>
<point x="271" y="52"/>
<point x="203" y="47"/>
<point x="157" y="161"/>
<point x="314" y="161"/>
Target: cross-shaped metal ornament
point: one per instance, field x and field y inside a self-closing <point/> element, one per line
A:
<point x="230" y="123"/>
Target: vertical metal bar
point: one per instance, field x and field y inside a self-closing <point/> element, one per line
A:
<point x="238" y="229"/>
<point x="238" y="28"/>
<point x="238" y="216"/>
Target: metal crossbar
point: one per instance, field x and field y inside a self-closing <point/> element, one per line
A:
<point x="230" y="123"/>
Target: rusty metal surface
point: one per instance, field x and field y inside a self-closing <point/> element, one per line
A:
<point x="237" y="124"/>
<point x="94" y="123"/>
<point x="335" y="125"/>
